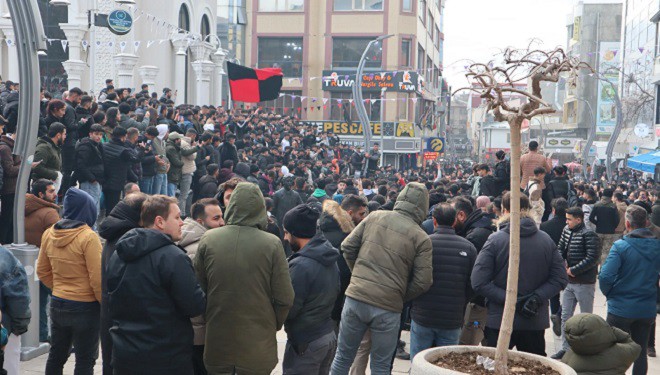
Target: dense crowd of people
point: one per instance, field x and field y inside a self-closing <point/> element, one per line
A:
<point x="183" y="238"/>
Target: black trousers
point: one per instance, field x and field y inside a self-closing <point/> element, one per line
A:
<point x="532" y="341"/>
<point x="68" y="165"/>
<point x="111" y="197"/>
<point x="7" y="218"/>
<point x="639" y="330"/>
<point x="198" y="360"/>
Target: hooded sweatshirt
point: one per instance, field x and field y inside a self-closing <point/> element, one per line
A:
<point x="315" y="279"/>
<point x="39" y="216"/>
<point x="70" y="258"/>
<point x="629" y="276"/>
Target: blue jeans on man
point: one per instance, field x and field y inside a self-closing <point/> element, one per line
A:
<point x="94" y="190"/>
<point x="422" y="338"/>
<point x="355" y="319"/>
<point x="147" y="184"/>
<point x="160" y="184"/>
<point x="171" y="189"/>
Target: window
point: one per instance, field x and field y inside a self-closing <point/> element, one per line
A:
<point x="53" y="75"/>
<point x="368" y="5"/>
<point x="281" y="5"/>
<point x="184" y="18"/>
<point x="437" y="38"/>
<point x="285" y="53"/>
<point x="346" y="53"/>
<point x="421" y="10"/>
<point x="431" y="27"/>
<point x="405" y="52"/>
<point x="407" y="5"/>
<point x="428" y="73"/>
<point x="403" y="100"/>
<point x="337" y="114"/>
<point x="420" y="59"/>
<point x="508" y="137"/>
<point x="205" y="27"/>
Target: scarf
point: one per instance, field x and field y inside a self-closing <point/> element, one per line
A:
<point x="318" y="193"/>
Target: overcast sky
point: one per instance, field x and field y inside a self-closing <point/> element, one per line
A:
<point x="478" y="29"/>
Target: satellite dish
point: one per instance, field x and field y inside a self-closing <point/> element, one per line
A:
<point x="642" y="130"/>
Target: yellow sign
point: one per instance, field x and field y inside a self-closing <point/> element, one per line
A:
<point x="405" y="129"/>
<point x="437" y="145"/>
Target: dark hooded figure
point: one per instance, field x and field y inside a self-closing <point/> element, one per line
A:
<point x="285" y="199"/>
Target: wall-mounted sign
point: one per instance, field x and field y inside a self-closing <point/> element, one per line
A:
<point x="342" y="128"/>
<point x="120" y="22"/>
<point x="431" y="155"/>
<point x="560" y="142"/>
<point x="401" y="81"/>
<point x="435" y="145"/>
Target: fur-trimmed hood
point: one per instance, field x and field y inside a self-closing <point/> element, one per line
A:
<point x="334" y="215"/>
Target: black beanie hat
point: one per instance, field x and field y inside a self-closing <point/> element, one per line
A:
<point x="301" y="220"/>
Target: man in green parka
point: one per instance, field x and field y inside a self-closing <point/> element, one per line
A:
<point x="246" y="278"/>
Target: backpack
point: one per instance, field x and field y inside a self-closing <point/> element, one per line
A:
<point x="572" y="197"/>
<point x="529" y="186"/>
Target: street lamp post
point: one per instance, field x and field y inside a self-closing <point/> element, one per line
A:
<point x="591" y="136"/>
<point x="357" y="96"/>
<point x="382" y="130"/>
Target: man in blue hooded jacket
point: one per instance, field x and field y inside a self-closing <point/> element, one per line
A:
<point x="628" y="279"/>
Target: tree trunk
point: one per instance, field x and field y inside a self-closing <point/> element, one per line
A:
<point x="506" y="328"/>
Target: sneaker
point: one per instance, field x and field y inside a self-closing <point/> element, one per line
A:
<point x="559" y="355"/>
<point x="651" y="352"/>
<point x="402" y="354"/>
<point x="401" y="344"/>
<point x="556" y="324"/>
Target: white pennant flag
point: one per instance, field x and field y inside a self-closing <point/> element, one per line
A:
<point x="85" y="45"/>
<point x="382" y="75"/>
<point x="122" y="46"/>
<point x="414" y="100"/>
<point x="325" y="100"/>
<point x="161" y="41"/>
<point x="350" y="101"/>
<point x="10" y="42"/>
<point x="98" y="44"/>
<point x="136" y="45"/>
<point x="150" y="42"/>
<point x="64" y="44"/>
<point x="111" y="44"/>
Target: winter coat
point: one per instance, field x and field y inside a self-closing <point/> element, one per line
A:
<point x="580" y="247"/>
<point x="189" y="166"/>
<point x="529" y="162"/>
<point x="476" y="229"/>
<point x="85" y="121"/>
<point x="488" y="186"/>
<point x="245" y="273"/>
<point x="541" y="272"/>
<point x="315" y="280"/>
<point x="356" y="160"/>
<point x="153" y="295"/>
<point x="148" y="162"/>
<point x="10" y="165"/>
<point x="14" y="294"/>
<point x="208" y="187"/>
<point x="126" y="122"/>
<point x="175" y="155"/>
<point x="71" y="124"/>
<point x="265" y="185"/>
<point x="192" y="233"/>
<point x="605" y="215"/>
<point x="39" y="216"/>
<point x="159" y="147"/>
<point x="51" y="161"/>
<point x="443" y="305"/>
<point x="389" y="254"/>
<point x="502" y="176"/>
<point x="621" y="208"/>
<point x="117" y="161"/>
<point x="228" y="152"/>
<point x="596" y="348"/>
<point x="629" y="276"/>
<point x="107" y="104"/>
<point x="89" y="161"/>
<point x="283" y="201"/>
<point x="559" y="187"/>
<point x="10" y="112"/>
<point x="336" y="224"/>
<point x="554" y="227"/>
<point x="69" y="262"/>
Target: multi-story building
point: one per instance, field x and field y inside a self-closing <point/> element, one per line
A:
<point x="168" y="46"/>
<point x="318" y="44"/>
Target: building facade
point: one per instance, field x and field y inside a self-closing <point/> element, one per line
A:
<point x="170" y="46"/>
<point x="318" y="45"/>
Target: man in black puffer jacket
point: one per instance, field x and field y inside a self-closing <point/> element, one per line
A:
<point x="475" y="226"/>
<point x="124" y="217"/>
<point x="437" y="315"/>
<point x="10" y="113"/>
<point x="580" y="248"/>
<point x="89" y="164"/>
<point x="310" y="329"/>
<point x="605" y="215"/>
<point x="284" y="200"/>
<point x="117" y="159"/>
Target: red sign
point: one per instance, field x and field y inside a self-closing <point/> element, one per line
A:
<point x="431" y="155"/>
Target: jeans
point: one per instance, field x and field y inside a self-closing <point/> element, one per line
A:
<point x="422" y="338"/>
<point x="314" y="360"/>
<point x="528" y="341"/>
<point x="639" y="330"/>
<point x="68" y="157"/>
<point x="160" y="184"/>
<point x="171" y="189"/>
<point x="44" y="295"/>
<point x="73" y="324"/>
<point x="147" y="185"/>
<point x="12" y="352"/>
<point x="93" y="189"/>
<point x="184" y="188"/>
<point x="570" y="297"/>
<point x="355" y="319"/>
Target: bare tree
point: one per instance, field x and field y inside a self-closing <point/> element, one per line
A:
<point x="493" y="83"/>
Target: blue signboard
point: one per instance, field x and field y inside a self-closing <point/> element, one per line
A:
<point x="120" y="22"/>
<point x="435" y="144"/>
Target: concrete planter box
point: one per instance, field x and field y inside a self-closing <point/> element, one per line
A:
<point x="423" y="362"/>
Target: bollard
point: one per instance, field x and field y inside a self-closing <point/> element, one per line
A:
<point x="30" y="345"/>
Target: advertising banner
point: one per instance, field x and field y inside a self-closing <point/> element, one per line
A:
<point x="400" y="81"/>
<point x="606" y="108"/>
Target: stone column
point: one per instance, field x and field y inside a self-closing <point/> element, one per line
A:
<point x="181" y="46"/>
<point x="124" y="65"/>
<point x="219" y="61"/>
<point x="12" y="54"/>
<point x="203" y="71"/>
<point x="75" y="67"/>
<point x="148" y="74"/>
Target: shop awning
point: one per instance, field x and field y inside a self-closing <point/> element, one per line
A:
<point x="645" y="162"/>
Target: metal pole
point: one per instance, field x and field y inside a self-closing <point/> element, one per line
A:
<point x="359" y="104"/>
<point x="591" y="136"/>
<point x="382" y="116"/>
<point x="30" y="37"/>
<point x="92" y="41"/>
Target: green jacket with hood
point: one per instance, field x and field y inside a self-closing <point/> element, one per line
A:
<point x="389" y="253"/>
<point x="51" y="161"/>
<point x="244" y="272"/>
<point x="596" y="348"/>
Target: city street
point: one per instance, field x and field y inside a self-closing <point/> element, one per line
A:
<point x="37" y="366"/>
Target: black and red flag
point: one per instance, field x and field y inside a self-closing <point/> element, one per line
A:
<point x="254" y="85"/>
